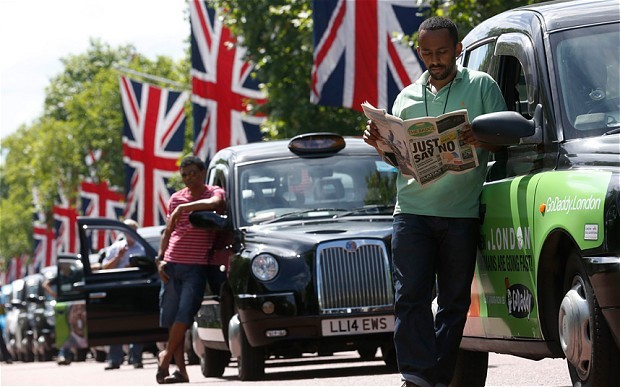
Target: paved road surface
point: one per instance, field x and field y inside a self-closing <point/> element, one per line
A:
<point x="344" y="369"/>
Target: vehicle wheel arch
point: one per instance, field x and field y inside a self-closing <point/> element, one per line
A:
<point x="550" y="281"/>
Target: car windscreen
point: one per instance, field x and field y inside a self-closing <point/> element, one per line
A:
<point x="313" y="187"/>
<point x="588" y="78"/>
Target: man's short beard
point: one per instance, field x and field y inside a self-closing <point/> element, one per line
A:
<point x="449" y="70"/>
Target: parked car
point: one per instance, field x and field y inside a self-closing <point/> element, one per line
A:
<point x="33" y="295"/>
<point x="42" y="318"/>
<point x="18" y="342"/>
<point x="5" y="304"/>
<point x="547" y="282"/>
<point x="307" y="232"/>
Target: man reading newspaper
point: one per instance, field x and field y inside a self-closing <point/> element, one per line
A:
<point x="425" y="148"/>
<point x="436" y="225"/>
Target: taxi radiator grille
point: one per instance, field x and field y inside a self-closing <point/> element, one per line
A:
<point x="353" y="276"/>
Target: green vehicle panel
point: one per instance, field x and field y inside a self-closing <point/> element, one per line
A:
<point x="547" y="281"/>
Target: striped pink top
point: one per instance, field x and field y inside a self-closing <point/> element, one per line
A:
<point x="189" y="244"/>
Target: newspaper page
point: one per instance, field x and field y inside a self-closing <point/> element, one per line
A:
<point x="425" y="148"/>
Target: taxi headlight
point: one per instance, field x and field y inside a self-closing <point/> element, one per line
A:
<point x="265" y="267"/>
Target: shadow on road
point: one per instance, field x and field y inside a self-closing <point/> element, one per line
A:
<point x="330" y="367"/>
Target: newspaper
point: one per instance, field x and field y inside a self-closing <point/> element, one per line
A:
<point x="425" y="148"/>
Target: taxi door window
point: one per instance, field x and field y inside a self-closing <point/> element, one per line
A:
<point x="217" y="177"/>
<point x="481" y="58"/>
<point x="520" y="159"/>
<point x="70" y="279"/>
<point x="510" y="74"/>
<point x="98" y="259"/>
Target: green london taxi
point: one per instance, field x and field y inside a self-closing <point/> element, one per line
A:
<point x="547" y="282"/>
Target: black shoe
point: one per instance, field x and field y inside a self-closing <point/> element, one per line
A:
<point x="63" y="360"/>
<point x="138" y="365"/>
<point x="112" y="367"/>
<point x="407" y="383"/>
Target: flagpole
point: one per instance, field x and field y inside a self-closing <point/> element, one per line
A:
<point x="150" y="77"/>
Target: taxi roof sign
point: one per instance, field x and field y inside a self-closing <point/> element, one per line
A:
<point x="314" y="143"/>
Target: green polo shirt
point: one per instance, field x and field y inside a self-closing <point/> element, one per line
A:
<point x="452" y="195"/>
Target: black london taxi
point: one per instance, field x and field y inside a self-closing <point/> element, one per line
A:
<point x="547" y="282"/>
<point x="307" y="231"/>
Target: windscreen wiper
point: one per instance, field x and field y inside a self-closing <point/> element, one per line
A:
<point x="298" y="214"/>
<point x="370" y="210"/>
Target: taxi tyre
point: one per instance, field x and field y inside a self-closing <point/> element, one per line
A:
<point x="49" y="354"/>
<point x="585" y="338"/>
<point x="12" y="346"/>
<point x="471" y="369"/>
<point x="213" y="362"/>
<point x="367" y="352"/>
<point x="100" y="356"/>
<point x="28" y="354"/>
<point x="251" y="362"/>
<point x="388" y="353"/>
<point x="81" y="354"/>
<point x="44" y="346"/>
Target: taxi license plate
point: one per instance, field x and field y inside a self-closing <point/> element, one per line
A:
<point x="357" y="325"/>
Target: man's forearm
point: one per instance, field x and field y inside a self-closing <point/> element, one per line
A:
<point x="202" y="205"/>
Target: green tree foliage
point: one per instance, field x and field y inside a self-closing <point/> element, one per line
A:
<point x="82" y="112"/>
<point x="278" y="38"/>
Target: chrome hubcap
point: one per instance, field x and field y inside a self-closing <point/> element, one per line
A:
<point x="574" y="321"/>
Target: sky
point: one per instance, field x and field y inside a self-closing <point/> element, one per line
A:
<point x="36" y="34"/>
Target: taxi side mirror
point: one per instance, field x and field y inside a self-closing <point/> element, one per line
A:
<point x="507" y="127"/>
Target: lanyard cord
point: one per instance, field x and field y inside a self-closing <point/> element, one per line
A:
<point x="444" y="104"/>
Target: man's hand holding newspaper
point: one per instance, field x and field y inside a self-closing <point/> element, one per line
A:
<point x="425" y="148"/>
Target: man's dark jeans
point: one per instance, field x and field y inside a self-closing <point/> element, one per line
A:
<point x="423" y="246"/>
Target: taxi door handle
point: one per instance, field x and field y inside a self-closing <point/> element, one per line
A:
<point x="97" y="295"/>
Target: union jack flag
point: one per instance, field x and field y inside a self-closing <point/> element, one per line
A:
<point x="11" y="270"/>
<point x="153" y="137"/>
<point x="44" y="251"/>
<point x="18" y="267"/>
<point x="356" y="58"/>
<point x="65" y="225"/>
<point x="98" y="199"/>
<point x="221" y="86"/>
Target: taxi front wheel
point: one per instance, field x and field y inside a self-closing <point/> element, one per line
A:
<point x="213" y="362"/>
<point x="585" y="337"/>
<point x="251" y="363"/>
